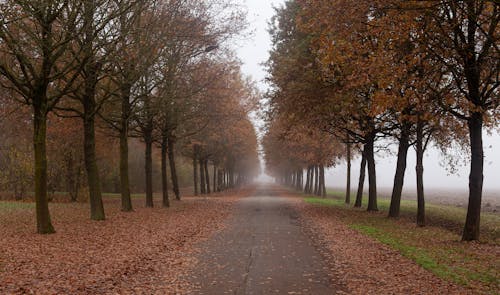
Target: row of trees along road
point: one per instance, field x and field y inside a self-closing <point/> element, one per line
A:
<point x="136" y="68"/>
<point x="347" y="75"/>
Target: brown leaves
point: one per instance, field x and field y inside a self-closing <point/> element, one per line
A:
<point x="144" y="252"/>
<point x="364" y="265"/>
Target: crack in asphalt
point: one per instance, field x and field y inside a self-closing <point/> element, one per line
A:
<point x="248" y="267"/>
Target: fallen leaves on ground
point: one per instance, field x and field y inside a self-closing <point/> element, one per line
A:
<point x="148" y="251"/>
<point x="364" y="265"/>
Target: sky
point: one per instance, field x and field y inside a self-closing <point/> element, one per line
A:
<point x="255" y="51"/>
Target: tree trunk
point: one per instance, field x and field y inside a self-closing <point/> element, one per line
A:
<point x="207" y="176"/>
<point x="164" y="176"/>
<point x="348" y="185"/>
<point x="220" y="180"/>
<point x="173" y="169"/>
<point x="44" y="224"/>
<point x="73" y="179"/>
<point x="215" y="178"/>
<point x="316" y="180"/>
<point x="372" y="176"/>
<point x="203" y="187"/>
<point x="361" y="183"/>
<point x="472" y="222"/>
<point x="148" y="139"/>
<point x="223" y="178"/>
<point x="195" y="169"/>
<point x="322" y="186"/>
<point x="92" y="69"/>
<point x="399" y="177"/>
<point x="310" y="174"/>
<point x="300" y="185"/>
<point x="231" y="177"/>
<point x="124" y="176"/>
<point x="299" y="180"/>
<point x="94" y="183"/>
<point x="420" y="175"/>
<point x="70" y="178"/>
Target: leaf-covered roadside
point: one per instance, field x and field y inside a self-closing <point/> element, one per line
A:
<point x="365" y="265"/>
<point x="144" y="252"/>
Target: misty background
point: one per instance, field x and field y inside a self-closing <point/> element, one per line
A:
<point x="437" y="174"/>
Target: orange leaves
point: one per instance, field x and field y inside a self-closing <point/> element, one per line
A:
<point x="148" y="251"/>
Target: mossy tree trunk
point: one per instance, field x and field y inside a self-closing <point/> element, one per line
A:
<point x="89" y="147"/>
<point x="44" y="224"/>
<point x="90" y="158"/>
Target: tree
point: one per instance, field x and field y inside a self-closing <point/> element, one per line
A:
<point x="35" y="38"/>
<point x="462" y="38"/>
<point x="94" y="52"/>
<point x="135" y="58"/>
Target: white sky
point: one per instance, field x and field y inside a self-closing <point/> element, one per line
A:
<point x="255" y="51"/>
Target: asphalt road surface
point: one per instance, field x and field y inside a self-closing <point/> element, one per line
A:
<point x="263" y="250"/>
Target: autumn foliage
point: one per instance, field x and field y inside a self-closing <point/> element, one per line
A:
<point x="78" y="79"/>
<point x="411" y="72"/>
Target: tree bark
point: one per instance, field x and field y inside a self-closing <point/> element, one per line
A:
<point x="207" y="176"/>
<point x="173" y="169"/>
<point x="348" y="184"/>
<point x="124" y="174"/>
<point x="322" y="186"/>
<point x="89" y="111"/>
<point x="71" y="185"/>
<point x="299" y="180"/>
<point x="164" y="176"/>
<point x="215" y="178"/>
<point x="316" y="182"/>
<point x="231" y="177"/>
<point x="203" y="188"/>
<point x="44" y="224"/>
<point x="399" y="177"/>
<point x="195" y="169"/>
<point x="361" y="183"/>
<point x="309" y="183"/>
<point x="472" y="222"/>
<point x="420" y="175"/>
<point x="148" y="138"/>
<point x="300" y="176"/>
<point x="90" y="158"/>
<point x="220" y="180"/>
<point x="372" y="175"/>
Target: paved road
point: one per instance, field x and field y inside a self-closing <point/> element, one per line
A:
<point x="262" y="251"/>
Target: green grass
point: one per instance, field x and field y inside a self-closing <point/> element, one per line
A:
<point x="420" y="256"/>
<point x="453" y="216"/>
<point x="4" y="205"/>
<point x="435" y="247"/>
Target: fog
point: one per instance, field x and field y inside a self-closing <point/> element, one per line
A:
<point x="436" y="172"/>
<point x="436" y="175"/>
